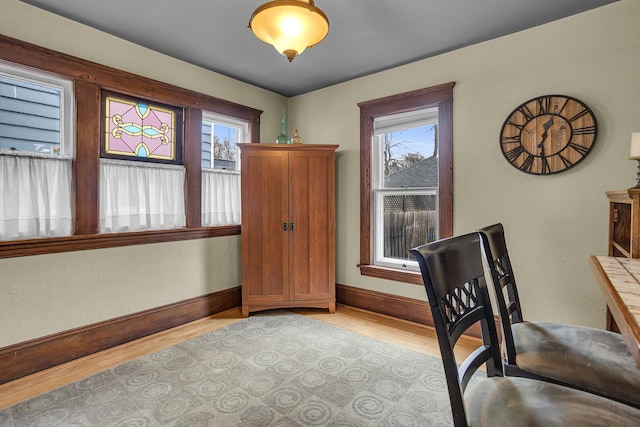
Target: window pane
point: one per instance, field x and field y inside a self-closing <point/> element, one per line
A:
<point x="137" y="130"/>
<point x="35" y="195"/>
<point x="409" y="158"/>
<point x="35" y="188"/>
<point x="405" y="184"/>
<point x="207" y="143"/>
<point x="136" y="196"/>
<point x="220" y="197"/>
<point x="408" y="221"/>
<point x="219" y="149"/>
<point x="30" y="116"/>
<point x="220" y="202"/>
<point x="225" y="151"/>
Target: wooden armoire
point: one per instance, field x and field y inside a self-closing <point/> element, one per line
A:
<point x="288" y="226"/>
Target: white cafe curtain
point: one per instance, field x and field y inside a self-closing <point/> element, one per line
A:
<point x="35" y="196"/>
<point x="138" y="196"/>
<point x="220" y="197"/>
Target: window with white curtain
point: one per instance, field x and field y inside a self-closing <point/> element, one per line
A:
<point x="221" y="169"/>
<point x="136" y="196"/>
<point x="36" y="148"/>
<point x="56" y="196"/>
<point x="139" y="189"/>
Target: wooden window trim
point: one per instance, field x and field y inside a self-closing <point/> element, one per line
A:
<point x="440" y="96"/>
<point x="89" y="79"/>
<point x="49" y="245"/>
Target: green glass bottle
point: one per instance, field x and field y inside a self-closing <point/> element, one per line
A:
<point x="283" y="138"/>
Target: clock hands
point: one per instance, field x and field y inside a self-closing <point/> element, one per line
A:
<point x="543" y="157"/>
<point x="546" y="127"/>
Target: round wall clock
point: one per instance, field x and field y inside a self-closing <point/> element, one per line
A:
<point x="548" y="134"/>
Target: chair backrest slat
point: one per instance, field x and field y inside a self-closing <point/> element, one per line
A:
<point x="472" y="363"/>
<point x="499" y="263"/>
<point x="463" y="323"/>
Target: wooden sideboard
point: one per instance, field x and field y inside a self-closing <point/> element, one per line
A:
<point x="624" y="223"/>
<point x="624" y="231"/>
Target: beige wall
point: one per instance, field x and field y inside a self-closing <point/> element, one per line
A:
<point x="45" y="294"/>
<point x="553" y="223"/>
<point x="41" y="295"/>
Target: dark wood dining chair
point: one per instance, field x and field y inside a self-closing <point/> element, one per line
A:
<point x="454" y="279"/>
<point x="589" y="359"/>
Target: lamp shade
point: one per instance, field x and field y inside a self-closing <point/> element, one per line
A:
<point x="635" y="146"/>
<point x="290" y="26"/>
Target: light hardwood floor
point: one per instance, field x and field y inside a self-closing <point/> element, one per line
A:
<point x="402" y="333"/>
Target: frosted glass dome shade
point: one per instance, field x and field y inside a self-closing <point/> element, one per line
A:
<point x="289" y="25"/>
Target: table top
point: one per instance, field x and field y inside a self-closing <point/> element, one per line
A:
<point x="619" y="281"/>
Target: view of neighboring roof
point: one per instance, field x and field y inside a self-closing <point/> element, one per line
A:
<point x="421" y="174"/>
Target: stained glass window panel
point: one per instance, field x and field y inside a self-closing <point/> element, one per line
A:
<point x="138" y="130"/>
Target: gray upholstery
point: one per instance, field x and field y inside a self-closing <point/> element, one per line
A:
<point x="588" y="359"/>
<point x="522" y="402"/>
<point x="592" y="359"/>
<point x="453" y="275"/>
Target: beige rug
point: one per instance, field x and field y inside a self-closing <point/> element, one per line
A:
<point x="273" y="369"/>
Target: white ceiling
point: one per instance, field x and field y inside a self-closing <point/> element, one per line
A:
<point x="365" y="36"/>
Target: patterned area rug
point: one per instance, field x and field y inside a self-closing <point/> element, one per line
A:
<point x="273" y="369"/>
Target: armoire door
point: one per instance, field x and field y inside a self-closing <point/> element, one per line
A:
<point x="311" y="211"/>
<point x="265" y="207"/>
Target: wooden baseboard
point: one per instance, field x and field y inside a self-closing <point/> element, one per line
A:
<point x="379" y="302"/>
<point x="25" y="358"/>
<point x="394" y="305"/>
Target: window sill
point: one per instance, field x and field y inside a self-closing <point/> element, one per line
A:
<point x="391" y="274"/>
<point x="49" y="245"/>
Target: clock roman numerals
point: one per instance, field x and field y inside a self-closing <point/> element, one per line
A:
<point x="564" y="104"/>
<point x="587" y="130"/>
<point x="514" y="153"/>
<point x="579" y="148"/>
<point x="567" y="162"/>
<point x="527" y="164"/>
<point x="528" y="115"/>
<point x="511" y="139"/>
<point x="578" y="115"/>
<point x="514" y="124"/>
<point x="545" y="166"/>
<point x="544" y="103"/>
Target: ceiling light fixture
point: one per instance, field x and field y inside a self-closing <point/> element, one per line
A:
<point x="290" y="26"/>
